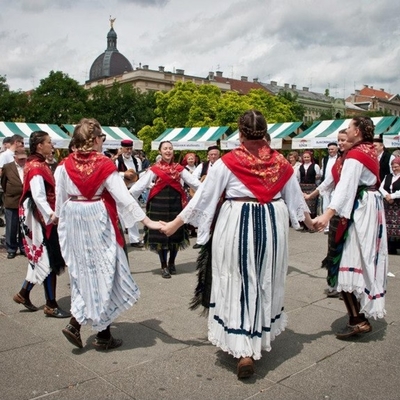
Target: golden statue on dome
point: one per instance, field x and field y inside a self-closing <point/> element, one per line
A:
<point x="112" y="22"/>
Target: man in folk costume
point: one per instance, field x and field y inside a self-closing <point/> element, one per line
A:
<point x="39" y="227"/>
<point x="384" y="157"/>
<point x="201" y="171"/>
<point x="249" y="254"/>
<point x="129" y="168"/>
<point x="327" y="164"/>
<point x="361" y="234"/>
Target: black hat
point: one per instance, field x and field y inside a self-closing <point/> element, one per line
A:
<point x="332" y="144"/>
<point x="212" y="148"/>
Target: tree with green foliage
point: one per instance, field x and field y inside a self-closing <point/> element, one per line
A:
<point x="13" y="105"/>
<point x="58" y="99"/>
<point x="290" y="98"/>
<point x="189" y="105"/>
<point x="122" y="105"/>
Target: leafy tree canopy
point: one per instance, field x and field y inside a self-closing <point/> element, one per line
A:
<point x="121" y="105"/>
<point x="189" y="105"/>
<point x="12" y="104"/>
<point x="58" y="99"/>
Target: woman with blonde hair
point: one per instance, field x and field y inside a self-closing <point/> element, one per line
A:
<point x="90" y="196"/>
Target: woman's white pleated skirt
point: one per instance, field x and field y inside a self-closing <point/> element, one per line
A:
<point x="249" y="267"/>
<point x="364" y="263"/>
<point x="102" y="286"/>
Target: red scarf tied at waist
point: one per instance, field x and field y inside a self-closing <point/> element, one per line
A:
<point x="36" y="165"/>
<point x="168" y="175"/>
<point x="261" y="169"/>
<point x="88" y="170"/>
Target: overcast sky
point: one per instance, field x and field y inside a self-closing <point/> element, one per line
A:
<point x="336" y="44"/>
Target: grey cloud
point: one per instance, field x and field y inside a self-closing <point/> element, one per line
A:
<point x="39" y="6"/>
<point x="147" y="3"/>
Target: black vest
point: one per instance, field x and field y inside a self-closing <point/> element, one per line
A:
<point x="384" y="167"/>
<point x="308" y="177"/>
<point x="122" y="166"/>
<point x="204" y="168"/>
<point x="324" y="165"/>
<point x="388" y="181"/>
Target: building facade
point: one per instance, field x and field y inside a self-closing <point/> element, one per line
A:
<point x="370" y="99"/>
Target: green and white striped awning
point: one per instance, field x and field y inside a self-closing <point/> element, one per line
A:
<point x="321" y="133"/>
<point x="191" y="138"/>
<point x="114" y="135"/>
<point x="391" y="138"/>
<point x="277" y="131"/>
<point x="59" y="138"/>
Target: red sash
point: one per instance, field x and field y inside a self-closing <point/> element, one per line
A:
<point x="168" y="175"/>
<point x="261" y="169"/>
<point x="36" y="165"/>
<point x="88" y="170"/>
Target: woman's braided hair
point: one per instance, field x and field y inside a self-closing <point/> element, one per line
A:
<point x="35" y="139"/>
<point x="366" y="127"/>
<point x="85" y="132"/>
<point x="252" y="125"/>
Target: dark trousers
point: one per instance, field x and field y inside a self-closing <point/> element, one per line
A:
<point x="13" y="231"/>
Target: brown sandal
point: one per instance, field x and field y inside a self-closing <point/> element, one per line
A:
<point x="352" y="330"/>
<point x="107" y="344"/>
<point x="73" y="335"/>
<point x="26" y="303"/>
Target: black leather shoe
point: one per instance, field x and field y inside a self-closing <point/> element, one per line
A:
<point x="138" y="245"/>
<point x="172" y="269"/>
<point x="106" y="344"/>
<point x="197" y="246"/>
<point x="22" y="252"/>
<point x="56" y="312"/>
<point x="11" y="255"/>
<point x="165" y="273"/>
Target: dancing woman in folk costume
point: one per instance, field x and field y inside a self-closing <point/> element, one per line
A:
<point x="361" y="235"/>
<point x="249" y="243"/>
<point x="90" y="196"/>
<point x="39" y="227"/>
<point x="165" y="201"/>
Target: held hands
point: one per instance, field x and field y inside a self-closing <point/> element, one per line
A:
<point x="169" y="228"/>
<point x="154" y="225"/>
<point x="53" y="219"/>
<point x="320" y="223"/>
